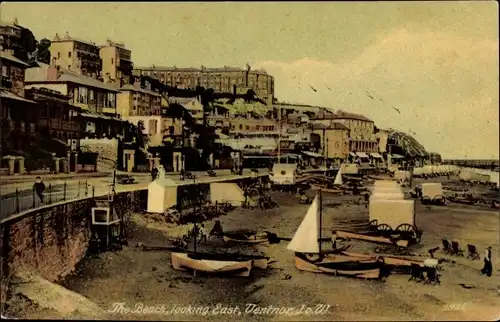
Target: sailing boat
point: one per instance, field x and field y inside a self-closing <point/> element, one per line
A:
<point x="306" y="243"/>
<point x="338" y="178"/>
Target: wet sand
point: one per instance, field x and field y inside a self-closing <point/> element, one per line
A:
<point x="134" y="277"/>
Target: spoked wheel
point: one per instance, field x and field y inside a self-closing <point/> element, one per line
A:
<point x="438" y="200"/>
<point x="408" y="230"/>
<point x="425" y="200"/>
<point x="384" y="229"/>
<point x="373" y="224"/>
<point x="405" y="228"/>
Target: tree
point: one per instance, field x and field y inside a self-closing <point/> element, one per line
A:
<point x="42" y="53"/>
<point x="250" y="95"/>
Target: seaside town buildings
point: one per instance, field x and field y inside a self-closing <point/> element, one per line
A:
<point x="76" y="55"/>
<point x="90" y="99"/>
<point x="228" y="80"/>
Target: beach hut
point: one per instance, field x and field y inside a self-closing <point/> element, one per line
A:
<point x="162" y="194"/>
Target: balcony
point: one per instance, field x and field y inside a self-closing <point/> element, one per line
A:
<point x="6" y="82"/>
<point x="57" y="124"/>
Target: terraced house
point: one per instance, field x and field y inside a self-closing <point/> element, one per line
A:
<point x="76" y="55"/>
<point x="96" y="100"/>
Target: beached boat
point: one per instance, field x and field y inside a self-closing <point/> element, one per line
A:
<point x="211" y="264"/>
<point x="318" y="187"/>
<point x="229" y="263"/>
<point x="309" y="257"/>
<point x="251" y="237"/>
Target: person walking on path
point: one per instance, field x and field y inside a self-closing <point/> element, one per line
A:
<point x="39" y="188"/>
<point x="488" y="267"/>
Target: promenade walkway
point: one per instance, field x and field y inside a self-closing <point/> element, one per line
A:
<point x="15" y="204"/>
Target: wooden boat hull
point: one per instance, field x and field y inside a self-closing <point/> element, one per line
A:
<point x="256" y="241"/>
<point x="383" y="240"/>
<point x="316" y="187"/>
<point x="390" y="260"/>
<point x="185" y="261"/>
<point x="341" y="265"/>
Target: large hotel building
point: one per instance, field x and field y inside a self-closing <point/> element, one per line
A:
<point x="221" y="80"/>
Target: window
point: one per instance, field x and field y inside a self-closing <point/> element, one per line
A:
<point x="258" y="127"/>
<point x="5" y="71"/>
<point x="91" y="96"/>
<point x="100" y="99"/>
<point x="112" y="61"/>
<point x="69" y="54"/>
<point x="83" y="95"/>
<point x="111" y="98"/>
<point x="247" y="127"/>
<point x="241" y="126"/>
<point x="58" y="55"/>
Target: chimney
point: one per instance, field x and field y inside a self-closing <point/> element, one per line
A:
<point x="53" y="73"/>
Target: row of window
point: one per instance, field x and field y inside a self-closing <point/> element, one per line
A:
<point x="87" y="48"/>
<point x="84" y="95"/>
<point x="257" y="127"/>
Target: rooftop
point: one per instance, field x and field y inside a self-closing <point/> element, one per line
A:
<point x="133" y="88"/>
<point x="341" y="115"/>
<point x="68" y="38"/>
<point x="67" y="76"/>
<point x="333" y="126"/>
<point x="202" y="69"/>
<point x="13" y="96"/>
<point x="9" y="24"/>
<point x="7" y="56"/>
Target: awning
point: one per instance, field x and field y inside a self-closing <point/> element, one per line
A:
<point x="101" y="116"/>
<point x="12" y="96"/>
<point x="397" y="156"/>
<point x="362" y="155"/>
<point x="95" y="115"/>
<point x="313" y="154"/>
<point x="376" y="155"/>
<point x="352" y="154"/>
<point x="269" y="156"/>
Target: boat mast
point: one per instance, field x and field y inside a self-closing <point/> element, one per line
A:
<point x="320" y="217"/>
<point x="279" y="135"/>
<point x="195" y="228"/>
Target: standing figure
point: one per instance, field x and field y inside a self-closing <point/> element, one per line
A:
<point x="334" y="240"/>
<point x="487" y="268"/>
<point x="154" y="173"/>
<point x="202" y="235"/>
<point x="39" y="188"/>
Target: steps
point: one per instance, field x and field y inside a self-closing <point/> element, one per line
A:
<point x="52" y="296"/>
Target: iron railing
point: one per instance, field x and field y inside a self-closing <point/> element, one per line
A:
<point x="27" y="199"/>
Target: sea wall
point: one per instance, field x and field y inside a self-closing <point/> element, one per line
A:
<point x="50" y="241"/>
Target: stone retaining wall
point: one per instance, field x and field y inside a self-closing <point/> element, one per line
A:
<point x="50" y="241"/>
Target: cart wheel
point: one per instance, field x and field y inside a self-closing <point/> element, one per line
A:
<point x="426" y="200"/>
<point x="438" y="200"/>
<point x="405" y="227"/>
<point x="384" y="228"/>
<point x="374" y="223"/>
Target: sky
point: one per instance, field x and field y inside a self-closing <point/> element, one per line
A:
<point x="436" y="63"/>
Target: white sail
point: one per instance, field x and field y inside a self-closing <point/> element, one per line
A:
<point x="306" y="237"/>
<point x="338" y="177"/>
